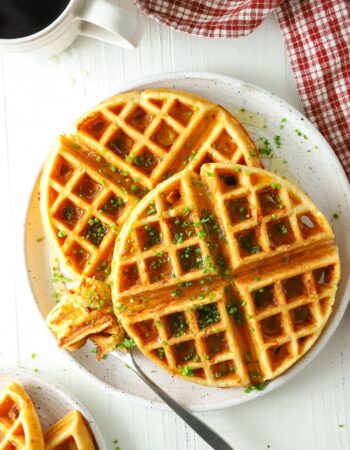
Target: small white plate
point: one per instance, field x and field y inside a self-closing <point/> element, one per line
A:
<point x="300" y="153"/>
<point x="51" y="402"/>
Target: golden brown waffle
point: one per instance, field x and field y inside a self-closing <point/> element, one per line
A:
<point x="70" y="433"/>
<point x="119" y="151"/>
<point x="86" y="312"/>
<point x="230" y="280"/>
<point x="19" y="423"/>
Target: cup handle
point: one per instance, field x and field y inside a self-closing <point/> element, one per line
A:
<point x="103" y="20"/>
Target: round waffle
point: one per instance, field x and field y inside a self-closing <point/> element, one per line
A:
<point x="115" y="155"/>
<point x="71" y="432"/>
<point x="19" y="423"/>
<point x="227" y="277"/>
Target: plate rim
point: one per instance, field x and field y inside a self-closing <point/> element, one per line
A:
<point x="65" y="394"/>
<point x="332" y="323"/>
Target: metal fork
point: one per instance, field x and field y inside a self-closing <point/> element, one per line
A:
<point x="201" y="428"/>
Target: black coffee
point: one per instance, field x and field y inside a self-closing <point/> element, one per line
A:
<point x="19" y="18"/>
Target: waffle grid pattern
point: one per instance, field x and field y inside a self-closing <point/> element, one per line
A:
<point x="270" y="319"/>
<point x="116" y="154"/>
<point x="286" y="316"/>
<point x="274" y="217"/>
<point x="167" y="252"/>
<point x="69" y="433"/>
<point x="179" y="340"/>
<point x="19" y="424"/>
<point x="72" y="215"/>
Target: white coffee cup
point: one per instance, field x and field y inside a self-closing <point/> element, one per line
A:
<point x="99" y="19"/>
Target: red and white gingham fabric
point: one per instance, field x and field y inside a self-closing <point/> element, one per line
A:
<point x="317" y="37"/>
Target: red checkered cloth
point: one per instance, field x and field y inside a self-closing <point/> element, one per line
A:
<point x="317" y="37"/>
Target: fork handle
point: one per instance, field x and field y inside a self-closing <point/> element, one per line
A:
<point x="201" y="428"/>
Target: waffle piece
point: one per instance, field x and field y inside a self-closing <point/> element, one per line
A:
<point x="108" y="340"/>
<point x="86" y="311"/>
<point x="19" y="423"/>
<point x="230" y="280"/>
<point x="70" y="433"/>
<point x="119" y="151"/>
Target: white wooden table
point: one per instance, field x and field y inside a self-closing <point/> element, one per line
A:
<point x="37" y="100"/>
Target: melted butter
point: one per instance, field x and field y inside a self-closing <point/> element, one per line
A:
<point x="256" y="125"/>
<point x="278" y="166"/>
<point x="249" y="118"/>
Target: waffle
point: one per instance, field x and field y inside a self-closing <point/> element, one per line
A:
<point x="115" y="155"/>
<point x="86" y="311"/>
<point x="19" y="424"/>
<point x="230" y="280"/>
<point x="70" y="433"/>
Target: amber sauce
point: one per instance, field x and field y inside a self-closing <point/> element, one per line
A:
<point x="113" y="206"/>
<point x="301" y="316"/>
<point x="117" y="109"/>
<point x="63" y="172"/>
<point x="278" y="354"/>
<point x="308" y="225"/>
<point x="156" y="102"/>
<point x="270" y="200"/>
<point x="172" y="198"/>
<point x="120" y="144"/>
<point x="248" y="243"/>
<point x="293" y="287"/>
<point x="149" y="235"/>
<point x="176" y="324"/>
<point x="190" y="258"/>
<point x="119" y="177"/>
<point x="322" y="277"/>
<point x="78" y="256"/>
<point x="182" y="113"/>
<point x="52" y="196"/>
<point x="264" y="297"/>
<point x="69" y="214"/>
<point x="271" y="326"/>
<point x="238" y="209"/>
<point x="146" y="330"/>
<point x="140" y="119"/>
<point x="192" y="144"/>
<point x="228" y="182"/>
<point x="146" y="162"/>
<point x="129" y="276"/>
<point x="225" y="145"/>
<point x="165" y="136"/>
<point x="88" y="189"/>
<point x="159" y="268"/>
<point x="181" y="228"/>
<point x="222" y="369"/>
<point x="185" y="351"/>
<point x="207" y="159"/>
<point x="216" y="343"/>
<point x="103" y="269"/>
<point x="280" y="233"/>
<point x="94" y="126"/>
<point x="13" y="413"/>
<point x="129" y="249"/>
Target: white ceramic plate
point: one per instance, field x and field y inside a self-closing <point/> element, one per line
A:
<point x="300" y="153"/>
<point x="51" y="402"/>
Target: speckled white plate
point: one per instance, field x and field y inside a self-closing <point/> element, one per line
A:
<point x="300" y="153"/>
<point x="51" y="402"/>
